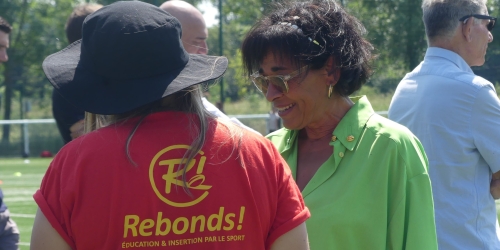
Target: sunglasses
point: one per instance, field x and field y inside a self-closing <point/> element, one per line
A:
<point x="490" y="25"/>
<point x="279" y="81"/>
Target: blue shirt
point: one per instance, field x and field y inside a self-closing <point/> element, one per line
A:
<point x="456" y="116"/>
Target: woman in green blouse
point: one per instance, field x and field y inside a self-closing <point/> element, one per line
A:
<point x="363" y="177"/>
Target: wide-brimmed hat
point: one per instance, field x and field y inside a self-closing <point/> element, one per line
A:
<point x="130" y="55"/>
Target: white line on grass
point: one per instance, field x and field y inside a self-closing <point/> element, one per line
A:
<point x="17" y="199"/>
<point x="23" y="215"/>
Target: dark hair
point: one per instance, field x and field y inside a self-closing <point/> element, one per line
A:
<point x="338" y="34"/>
<point x="74" y="24"/>
<point x="5" y="26"/>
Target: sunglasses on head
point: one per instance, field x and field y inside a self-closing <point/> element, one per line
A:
<point x="279" y="81"/>
<point x="490" y="25"/>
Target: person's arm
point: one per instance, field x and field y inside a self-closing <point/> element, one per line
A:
<point x="295" y="239"/>
<point x="495" y="186"/>
<point x="412" y="225"/>
<point x="288" y="229"/>
<point x="485" y="125"/>
<point x="44" y="236"/>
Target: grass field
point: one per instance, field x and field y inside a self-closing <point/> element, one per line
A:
<point x="20" y="181"/>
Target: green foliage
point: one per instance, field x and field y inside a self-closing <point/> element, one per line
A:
<point x="394" y="27"/>
<point x="254" y="103"/>
<point x="396" y="30"/>
<point x="238" y="16"/>
<point x="37" y="32"/>
<point x="236" y="85"/>
<point x="379" y="101"/>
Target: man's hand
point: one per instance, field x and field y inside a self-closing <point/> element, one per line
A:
<point x="495" y="185"/>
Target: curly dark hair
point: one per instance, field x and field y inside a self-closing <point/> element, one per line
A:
<point x="5" y="26"/>
<point x="325" y="22"/>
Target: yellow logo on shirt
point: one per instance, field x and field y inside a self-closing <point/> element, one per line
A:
<point x="171" y="179"/>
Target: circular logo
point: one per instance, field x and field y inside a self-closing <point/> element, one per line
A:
<point x="169" y="177"/>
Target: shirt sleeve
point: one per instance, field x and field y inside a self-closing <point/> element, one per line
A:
<point x="52" y="201"/>
<point x="213" y="109"/>
<point x="486" y="126"/>
<point x="291" y="210"/>
<point x="412" y="226"/>
<point x="421" y="228"/>
<point x="216" y="112"/>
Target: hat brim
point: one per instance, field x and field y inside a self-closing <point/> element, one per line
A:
<point x="72" y="76"/>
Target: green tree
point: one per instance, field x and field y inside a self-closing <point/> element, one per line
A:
<point x="396" y="30"/>
<point x="37" y="32"/>
<point x="394" y="27"/>
<point x="238" y="16"/>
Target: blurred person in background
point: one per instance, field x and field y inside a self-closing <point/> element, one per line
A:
<point x="456" y="115"/>
<point x="5" y="30"/>
<point x="9" y="233"/>
<point x="363" y="177"/>
<point x="69" y="119"/>
<point x="162" y="172"/>
<point x="274" y="121"/>
<point x="194" y="36"/>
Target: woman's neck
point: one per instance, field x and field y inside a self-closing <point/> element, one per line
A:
<point x="325" y="128"/>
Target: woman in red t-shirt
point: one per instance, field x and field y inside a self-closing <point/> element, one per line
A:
<point x="161" y="172"/>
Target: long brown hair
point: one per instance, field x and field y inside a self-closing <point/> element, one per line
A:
<point x="188" y="101"/>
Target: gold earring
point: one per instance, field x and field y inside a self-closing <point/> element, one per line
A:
<point x="330" y="90"/>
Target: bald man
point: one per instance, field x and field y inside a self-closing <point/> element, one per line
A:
<point x="194" y="40"/>
<point x="194" y="30"/>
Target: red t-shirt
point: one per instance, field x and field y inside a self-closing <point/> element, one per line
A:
<point x="242" y="197"/>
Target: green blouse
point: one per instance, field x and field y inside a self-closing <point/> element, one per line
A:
<point x="373" y="192"/>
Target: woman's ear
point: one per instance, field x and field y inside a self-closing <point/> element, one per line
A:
<point x="333" y="72"/>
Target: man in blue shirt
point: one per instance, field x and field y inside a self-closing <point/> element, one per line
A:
<point x="456" y="116"/>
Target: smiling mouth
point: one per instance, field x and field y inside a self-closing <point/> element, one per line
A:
<point x="285" y="108"/>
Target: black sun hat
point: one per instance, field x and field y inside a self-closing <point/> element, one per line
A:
<point x="130" y="55"/>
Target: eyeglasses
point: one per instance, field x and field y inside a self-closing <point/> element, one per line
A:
<point x="490" y="25"/>
<point x="279" y="81"/>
